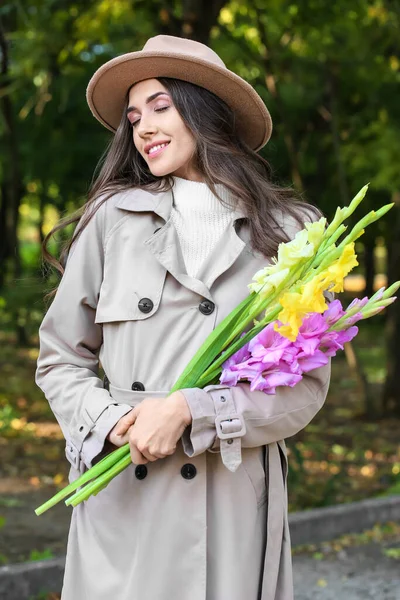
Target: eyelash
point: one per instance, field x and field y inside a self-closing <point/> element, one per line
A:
<point x="156" y="110"/>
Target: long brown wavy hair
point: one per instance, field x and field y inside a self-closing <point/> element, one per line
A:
<point x="221" y="156"/>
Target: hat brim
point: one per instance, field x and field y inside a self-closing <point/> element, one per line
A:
<point x="106" y="91"/>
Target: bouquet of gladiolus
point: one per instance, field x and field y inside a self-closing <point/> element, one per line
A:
<point x="298" y="330"/>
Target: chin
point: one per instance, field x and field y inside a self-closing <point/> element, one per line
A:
<point x="161" y="172"/>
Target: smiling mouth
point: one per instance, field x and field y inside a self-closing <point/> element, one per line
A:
<point x="156" y="150"/>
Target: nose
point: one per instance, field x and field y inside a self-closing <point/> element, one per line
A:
<point x="146" y="127"/>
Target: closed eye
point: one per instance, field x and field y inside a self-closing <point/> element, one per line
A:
<point x="156" y="110"/>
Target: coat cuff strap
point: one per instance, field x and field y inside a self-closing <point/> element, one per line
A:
<point x="230" y="428"/>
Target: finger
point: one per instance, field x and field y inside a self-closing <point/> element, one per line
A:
<point x="150" y="457"/>
<point x="136" y="456"/>
<point x="126" y="422"/>
<point x="123" y="439"/>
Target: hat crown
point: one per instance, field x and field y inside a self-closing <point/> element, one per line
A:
<point x="184" y="46"/>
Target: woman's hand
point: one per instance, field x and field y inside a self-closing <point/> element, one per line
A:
<point x="153" y="427"/>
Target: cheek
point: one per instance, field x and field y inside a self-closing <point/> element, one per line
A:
<point x="187" y="140"/>
<point x="135" y="139"/>
<point x="180" y="132"/>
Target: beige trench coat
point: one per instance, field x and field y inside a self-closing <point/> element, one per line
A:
<point x="210" y="521"/>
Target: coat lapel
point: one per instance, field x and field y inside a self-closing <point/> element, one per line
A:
<point x="165" y="245"/>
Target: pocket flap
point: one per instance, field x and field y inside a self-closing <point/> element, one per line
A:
<point x="125" y="293"/>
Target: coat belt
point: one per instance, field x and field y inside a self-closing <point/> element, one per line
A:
<point x="127" y="396"/>
<point x="278" y="551"/>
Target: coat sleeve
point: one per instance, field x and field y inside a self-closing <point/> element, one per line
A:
<point x="228" y="417"/>
<point x="69" y="344"/>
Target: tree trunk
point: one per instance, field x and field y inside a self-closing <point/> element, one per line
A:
<point x="332" y="89"/>
<point x="369" y="266"/>
<point x="391" y="390"/>
<point x="4" y="245"/>
<point x="269" y="60"/>
<point x="12" y="187"/>
<point x="353" y="361"/>
<point x="198" y="17"/>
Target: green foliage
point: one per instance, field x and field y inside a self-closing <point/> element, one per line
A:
<point x="392" y="552"/>
<point x="7" y="416"/>
<point x="40" y="555"/>
<point x="328" y="72"/>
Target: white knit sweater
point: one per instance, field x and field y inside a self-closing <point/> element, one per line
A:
<point x="199" y="219"/>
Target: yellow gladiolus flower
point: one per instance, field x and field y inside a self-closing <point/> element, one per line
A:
<point x="313" y="295"/>
<point x="315" y="231"/>
<point x="296" y="305"/>
<point x="337" y="271"/>
<point x="291" y="315"/>
<point x="291" y="253"/>
<point x="302" y="246"/>
<point x="288" y="331"/>
<point x="268" y="279"/>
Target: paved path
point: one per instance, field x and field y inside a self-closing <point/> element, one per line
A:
<point x="357" y="573"/>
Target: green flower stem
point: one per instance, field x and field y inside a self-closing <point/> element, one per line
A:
<point x="369" y="218"/>
<point x="104" y="479"/>
<point x="391" y="290"/>
<point x="329" y="242"/>
<point x="211" y="346"/>
<point x="328" y="255"/>
<point x="369" y="310"/>
<point x="344" y="213"/>
<point x="101" y="467"/>
<point x="211" y="375"/>
<point x="214" y="369"/>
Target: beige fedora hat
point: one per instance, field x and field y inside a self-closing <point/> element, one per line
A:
<point x="181" y="58"/>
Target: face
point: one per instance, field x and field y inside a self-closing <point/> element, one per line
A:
<point x="155" y="120"/>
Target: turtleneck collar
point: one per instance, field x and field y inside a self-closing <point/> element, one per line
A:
<point x="196" y="196"/>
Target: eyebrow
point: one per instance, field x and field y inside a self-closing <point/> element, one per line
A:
<point x="148" y="100"/>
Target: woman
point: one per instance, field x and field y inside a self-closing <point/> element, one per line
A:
<point x="180" y="217"/>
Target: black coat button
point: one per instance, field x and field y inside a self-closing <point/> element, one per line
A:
<point x="188" y="471"/>
<point x="206" y="307"/>
<point x="145" y="305"/>
<point x="106" y="383"/>
<point x="141" y="471"/>
<point x="137" y="386"/>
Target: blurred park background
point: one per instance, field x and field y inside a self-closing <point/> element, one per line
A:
<point x="329" y="73"/>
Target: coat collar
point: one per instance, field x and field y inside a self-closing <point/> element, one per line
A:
<point x="165" y="245"/>
<point x="140" y="200"/>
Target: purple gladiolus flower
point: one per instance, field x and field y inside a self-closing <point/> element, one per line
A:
<point x="308" y="363"/>
<point x="278" y="376"/>
<point x="347" y="335"/>
<point x="333" y="313"/>
<point x="354" y="318"/>
<point x="360" y="303"/>
<point x="238" y="357"/>
<point x="310" y="332"/>
<point x="270" y="360"/>
<point x="247" y="369"/>
<point x="333" y="341"/>
<point x="268" y="345"/>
